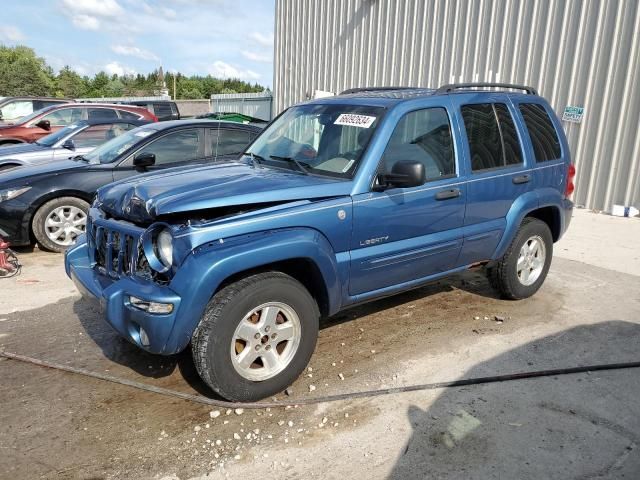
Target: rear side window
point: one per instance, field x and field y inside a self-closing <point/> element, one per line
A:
<point x="423" y="136"/>
<point x="544" y="138"/>
<point x="162" y="110"/>
<point x="493" y="141"/>
<point x="126" y="115"/>
<point x="228" y="142"/>
<point x="102" y="114"/>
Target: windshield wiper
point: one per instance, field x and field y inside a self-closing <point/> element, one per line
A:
<point x="298" y="163"/>
<point x="255" y="159"/>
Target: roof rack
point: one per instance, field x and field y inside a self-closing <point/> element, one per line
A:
<point x="457" y="86"/>
<point x="373" y="89"/>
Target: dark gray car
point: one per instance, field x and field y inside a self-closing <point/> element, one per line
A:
<point x="76" y="139"/>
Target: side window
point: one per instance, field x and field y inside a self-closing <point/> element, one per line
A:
<point x="423" y="136"/>
<point x="15" y="110"/>
<point x="493" y="141"/>
<point x="228" y="142"/>
<point x="162" y="110"/>
<point x="180" y="146"/>
<point x="126" y="115"/>
<point x="512" y="150"/>
<point x="64" y="117"/>
<point x="101" y="114"/>
<point x="98" y="134"/>
<point x="544" y="138"/>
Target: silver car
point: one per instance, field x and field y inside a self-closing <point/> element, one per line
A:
<point x="76" y="139"/>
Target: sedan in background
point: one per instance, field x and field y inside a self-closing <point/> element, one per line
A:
<point x="51" y="119"/>
<point x="76" y="139"/>
<point x="48" y="203"/>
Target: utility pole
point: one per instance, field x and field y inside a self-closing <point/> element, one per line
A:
<point x="174" y="85"/>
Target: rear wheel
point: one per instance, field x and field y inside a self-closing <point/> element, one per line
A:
<point x="256" y="336"/>
<point x="58" y="223"/>
<point x="524" y="267"/>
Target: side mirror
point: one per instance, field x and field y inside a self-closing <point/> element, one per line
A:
<point x="69" y="144"/>
<point x="404" y="174"/>
<point x="144" y="160"/>
<point x="44" y="124"/>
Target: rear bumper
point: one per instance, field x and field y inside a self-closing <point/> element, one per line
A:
<point x="111" y="296"/>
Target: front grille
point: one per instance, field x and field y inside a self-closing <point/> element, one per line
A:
<point x="114" y="250"/>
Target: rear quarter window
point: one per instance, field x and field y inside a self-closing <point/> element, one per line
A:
<point x="493" y="141"/>
<point x="544" y="138"/>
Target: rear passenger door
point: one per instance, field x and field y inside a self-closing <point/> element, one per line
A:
<point x="496" y="171"/>
<point x="401" y="235"/>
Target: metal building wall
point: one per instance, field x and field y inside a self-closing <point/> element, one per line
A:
<point x="576" y="52"/>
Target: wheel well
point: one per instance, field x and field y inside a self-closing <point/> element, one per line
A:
<point x="8" y="165"/>
<point x="550" y="216"/>
<point x="11" y="142"/>
<point x="303" y="270"/>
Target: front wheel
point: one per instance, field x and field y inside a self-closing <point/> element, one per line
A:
<point x="524" y="267"/>
<point x="256" y="336"/>
<point x="58" y="223"/>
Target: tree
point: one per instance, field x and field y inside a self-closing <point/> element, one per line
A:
<point x="23" y="73"/>
<point x="70" y="85"/>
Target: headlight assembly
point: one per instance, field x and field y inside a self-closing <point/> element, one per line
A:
<point x="157" y="243"/>
<point x="12" y="193"/>
<point x="164" y="245"/>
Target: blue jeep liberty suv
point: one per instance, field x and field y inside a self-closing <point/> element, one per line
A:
<point x="339" y="201"/>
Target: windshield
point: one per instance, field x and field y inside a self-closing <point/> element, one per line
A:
<point x="318" y="139"/>
<point x="55" y="137"/>
<point x="109" y="151"/>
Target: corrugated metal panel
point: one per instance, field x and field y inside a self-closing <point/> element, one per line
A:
<point x="576" y="52"/>
<point x="258" y="105"/>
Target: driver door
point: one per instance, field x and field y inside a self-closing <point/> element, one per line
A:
<point x="402" y="235"/>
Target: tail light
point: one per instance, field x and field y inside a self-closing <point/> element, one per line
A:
<point x="571" y="173"/>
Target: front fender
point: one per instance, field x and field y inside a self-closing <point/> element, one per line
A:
<point x="209" y="265"/>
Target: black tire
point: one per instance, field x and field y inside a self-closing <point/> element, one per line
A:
<point x="38" y="223"/>
<point x="503" y="275"/>
<point x="211" y="341"/>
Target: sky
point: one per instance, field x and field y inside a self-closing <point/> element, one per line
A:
<point x="224" y="38"/>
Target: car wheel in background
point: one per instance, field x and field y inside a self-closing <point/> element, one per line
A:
<point x="58" y="223"/>
<point x="256" y="336"/>
<point x="524" y="267"/>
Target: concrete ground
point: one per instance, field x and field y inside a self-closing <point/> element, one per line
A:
<point x="60" y="425"/>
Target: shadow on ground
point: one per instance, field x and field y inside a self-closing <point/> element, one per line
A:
<point x="119" y="350"/>
<point x="579" y="426"/>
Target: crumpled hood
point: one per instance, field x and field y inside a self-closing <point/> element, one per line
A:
<point x="143" y="198"/>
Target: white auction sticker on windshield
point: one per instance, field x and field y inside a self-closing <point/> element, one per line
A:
<point x="144" y="133"/>
<point x="355" y="120"/>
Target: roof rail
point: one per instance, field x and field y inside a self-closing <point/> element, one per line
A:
<point x="456" y="86"/>
<point x="373" y="89"/>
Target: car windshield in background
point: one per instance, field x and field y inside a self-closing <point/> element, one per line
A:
<point x="55" y="137"/>
<point x="107" y="152"/>
<point x="318" y="139"/>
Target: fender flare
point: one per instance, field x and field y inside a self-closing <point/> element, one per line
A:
<point x="524" y="204"/>
<point x="208" y="266"/>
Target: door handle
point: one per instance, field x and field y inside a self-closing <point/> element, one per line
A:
<point x="521" y="179"/>
<point x="447" y="194"/>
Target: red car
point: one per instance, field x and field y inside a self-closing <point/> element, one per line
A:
<point x="43" y="122"/>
